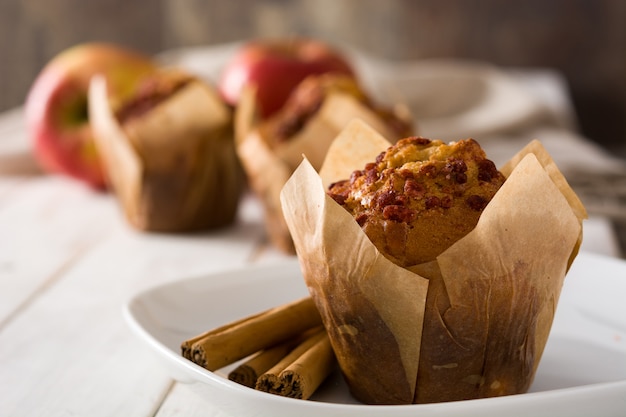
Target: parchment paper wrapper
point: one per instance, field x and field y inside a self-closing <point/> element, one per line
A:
<point x="173" y="169"/>
<point x="471" y="324"/>
<point x="269" y="168"/>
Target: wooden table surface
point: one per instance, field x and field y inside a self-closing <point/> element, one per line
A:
<point x="69" y="263"/>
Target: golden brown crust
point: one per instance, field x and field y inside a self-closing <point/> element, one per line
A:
<point x="152" y="91"/>
<point x="420" y="190"/>
<point x="307" y="98"/>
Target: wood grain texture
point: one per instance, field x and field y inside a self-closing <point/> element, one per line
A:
<point x="64" y="346"/>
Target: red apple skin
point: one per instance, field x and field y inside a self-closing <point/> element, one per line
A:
<point x="56" y="107"/>
<point x="275" y="67"/>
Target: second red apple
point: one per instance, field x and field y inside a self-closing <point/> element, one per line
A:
<point x="275" y="67"/>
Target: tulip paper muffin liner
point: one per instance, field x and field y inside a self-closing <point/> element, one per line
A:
<point x="471" y="324"/>
<point x="174" y="169"/>
<point x="268" y="169"/>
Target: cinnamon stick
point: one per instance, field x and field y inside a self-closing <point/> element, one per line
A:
<point x="187" y="346"/>
<point x="302" y="371"/>
<point x="248" y="372"/>
<point x="232" y="342"/>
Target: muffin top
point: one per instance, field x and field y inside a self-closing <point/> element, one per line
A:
<point x="150" y="92"/>
<point x="307" y="98"/>
<point x="420" y="196"/>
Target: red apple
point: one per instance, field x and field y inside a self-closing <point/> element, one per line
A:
<point x="275" y="67"/>
<point x="56" y="107"/>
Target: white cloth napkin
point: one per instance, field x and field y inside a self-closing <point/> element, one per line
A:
<point x="502" y="109"/>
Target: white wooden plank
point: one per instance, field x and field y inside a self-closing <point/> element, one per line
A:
<point x="9" y="184"/>
<point x="70" y="349"/>
<point x="44" y="224"/>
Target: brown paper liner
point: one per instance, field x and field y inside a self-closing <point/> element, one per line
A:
<point x="268" y="169"/>
<point x="471" y="324"/>
<point x="174" y="169"/>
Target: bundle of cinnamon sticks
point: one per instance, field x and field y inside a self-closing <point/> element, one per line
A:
<point x="284" y="350"/>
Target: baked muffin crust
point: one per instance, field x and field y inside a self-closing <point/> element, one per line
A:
<point x="420" y="196"/>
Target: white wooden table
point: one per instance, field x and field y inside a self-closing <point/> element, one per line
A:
<point x="69" y="263"/>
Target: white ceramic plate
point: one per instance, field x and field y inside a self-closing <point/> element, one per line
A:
<point x="582" y="373"/>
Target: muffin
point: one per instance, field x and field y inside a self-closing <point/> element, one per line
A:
<point x="316" y="111"/>
<point x="419" y="190"/>
<point x="170" y="153"/>
<point x="423" y="325"/>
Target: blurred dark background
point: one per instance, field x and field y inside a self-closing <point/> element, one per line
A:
<point x="584" y="39"/>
